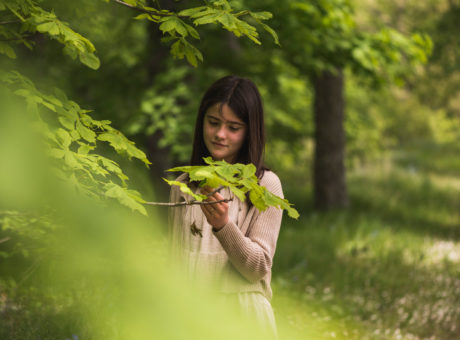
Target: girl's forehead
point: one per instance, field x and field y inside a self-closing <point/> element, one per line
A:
<point x="224" y="112"/>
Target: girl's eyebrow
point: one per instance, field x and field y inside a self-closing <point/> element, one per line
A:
<point x="226" y="121"/>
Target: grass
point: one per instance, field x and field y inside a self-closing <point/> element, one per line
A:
<point x="388" y="267"/>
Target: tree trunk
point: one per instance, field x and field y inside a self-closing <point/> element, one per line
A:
<point x="330" y="189"/>
<point x="157" y="56"/>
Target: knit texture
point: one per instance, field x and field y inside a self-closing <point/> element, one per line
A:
<point x="238" y="257"/>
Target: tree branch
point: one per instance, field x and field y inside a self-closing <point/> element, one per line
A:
<point x="193" y="201"/>
<point x="187" y="203"/>
<point x="9" y="22"/>
<point x="150" y="12"/>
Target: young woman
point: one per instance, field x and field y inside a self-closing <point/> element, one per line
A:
<point x="232" y="243"/>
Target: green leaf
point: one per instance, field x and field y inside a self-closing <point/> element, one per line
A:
<point x="90" y="60"/>
<point x="142" y="16"/>
<point x="272" y="32"/>
<point x="125" y="197"/>
<point x="115" y="140"/>
<point x="7" y="50"/>
<point x="57" y="153"/>
<point x="49" y="27"/>
<point x="227" y="171"/>
<point x="86" y="133"/>
<point x="173" y="23"/>
<point x="71" y="161"/>
<point x="187" y="168"/>
<point x="67" y="122"/>
<point x="185" y="189"/>
<point x="228" y="21"/>
<point x="84" y="149"/>
<point x="238" y="192"/>
<point x="193" y="32"/>
<point x="261" y="15"/>
<point x="64" y="137"/>
<point x="191" y="11"/>
<point x="249" y="171"/>
<point x="133" y="151"/>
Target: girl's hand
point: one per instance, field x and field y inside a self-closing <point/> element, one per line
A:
<point x="216" y="214"/>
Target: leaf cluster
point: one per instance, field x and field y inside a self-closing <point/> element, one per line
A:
<point x="239" y="178"/>
<point x="72" y="136"/>
<point x="22" y="19"/>
<point x="180" y="26"/>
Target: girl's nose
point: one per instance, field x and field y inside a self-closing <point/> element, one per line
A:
<point x="221" y="132"/>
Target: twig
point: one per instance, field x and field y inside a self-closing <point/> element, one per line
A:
<point x="188" y="203"/>
<point x="193" y="201"/>
<point x="143" y="10"/>
<point x="9" y="22"/>
<point x="5" y="239"/>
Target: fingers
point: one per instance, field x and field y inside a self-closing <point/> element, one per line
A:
<point x="217" y="213"/>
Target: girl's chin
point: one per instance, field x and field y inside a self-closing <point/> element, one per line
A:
<point x="217" y="157"/>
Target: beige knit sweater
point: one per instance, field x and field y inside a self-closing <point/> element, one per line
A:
<point x="238" y="257"/>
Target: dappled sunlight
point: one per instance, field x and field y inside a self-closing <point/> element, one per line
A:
<point x="443" y="251"/>
<point x="388" y="266"/>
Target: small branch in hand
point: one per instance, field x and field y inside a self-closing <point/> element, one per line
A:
<point x="187" y="203"/>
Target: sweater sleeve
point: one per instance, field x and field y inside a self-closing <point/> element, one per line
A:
<point x="252" y="255"/>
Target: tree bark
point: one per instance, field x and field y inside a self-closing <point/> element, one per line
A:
<point x="330" y="190"/>
<point x="157" y="56"/>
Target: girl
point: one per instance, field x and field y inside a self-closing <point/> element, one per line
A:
<point x="232" y="243"/>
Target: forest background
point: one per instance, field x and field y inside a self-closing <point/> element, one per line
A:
<point x="377" y="257"/>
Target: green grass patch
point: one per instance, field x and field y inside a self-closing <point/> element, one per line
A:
<point x="386" y="268"/>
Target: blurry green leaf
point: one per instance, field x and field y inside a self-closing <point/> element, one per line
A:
<point x="191" y="11"/>
<point x="90" y="60"/>
<point x="84" y="149"/>
<point x="272" y="32"/>
<point x="64" y="137"/>
<point x="67" y="122"/>
<point x="129" y="199"/>
<point x="86" y="133"/>
<point x="261" y="15"/>
<point x="71" y="161"/>
<point x="185" y="189"/>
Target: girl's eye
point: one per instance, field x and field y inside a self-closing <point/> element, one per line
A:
<point x="213" y="123"/>
<point x="234" y="129"/>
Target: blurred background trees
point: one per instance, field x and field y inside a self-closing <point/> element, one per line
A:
<point x="347" y="87"/>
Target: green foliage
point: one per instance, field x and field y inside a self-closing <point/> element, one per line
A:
<point x="239" y="178"/>
<point x="178" y="26"/>
<point x="25" y="17"/>
<point x="72" y="136"/>
<point x="385" y="259"/>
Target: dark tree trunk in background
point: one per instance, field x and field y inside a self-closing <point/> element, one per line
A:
<point x="330" y="190"/>
<point x="157" y="56"/>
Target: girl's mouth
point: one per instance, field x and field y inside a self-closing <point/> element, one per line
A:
<point x="219" y="145"/>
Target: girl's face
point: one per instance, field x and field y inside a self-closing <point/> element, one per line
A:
<point x="223" y="132"/>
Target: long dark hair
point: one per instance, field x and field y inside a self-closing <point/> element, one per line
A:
<point x="243" y="97"/>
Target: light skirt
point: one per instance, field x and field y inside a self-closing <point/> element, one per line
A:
<point x="254" y="306"/>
